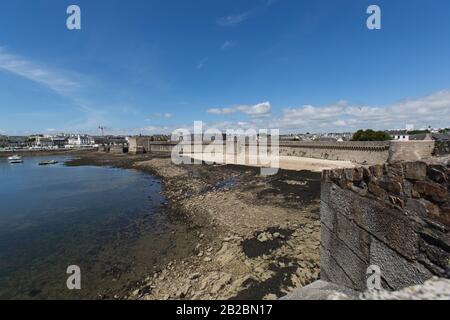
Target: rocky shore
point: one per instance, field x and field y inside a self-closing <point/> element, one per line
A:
<point x="256" y="237"/>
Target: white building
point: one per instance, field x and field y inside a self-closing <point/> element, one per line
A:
<point x="79" y="141"/>
<point x="44" y="142"/>
<point x="401" y="137"/>
<point x="59" y="142"/>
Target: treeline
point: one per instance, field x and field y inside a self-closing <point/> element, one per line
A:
<point x="371" y="135"/>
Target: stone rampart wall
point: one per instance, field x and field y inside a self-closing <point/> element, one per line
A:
<point x="395" y="216"/>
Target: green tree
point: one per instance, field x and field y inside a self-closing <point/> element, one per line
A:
<point x="371" y="135"/>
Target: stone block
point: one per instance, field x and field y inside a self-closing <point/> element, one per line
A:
<point x="415" y="170"/>
<point x="436" y="213"/>
<point x="341" y="200"/>
<point x="377" y="170"/>
<point x="353" y="266"/>
<point x="357" y="174"/>
<point x="437" y="259"/>
<point x="391" y="184"/>
<point x="325" y="190"/>
<point x="437" y="174"/>
<point x="377" y="191"/>
<point x="357" y="239"/>
<point x="378" y="219"/>
<point x="394" y="170"/>
<point x="432" y="190"/>
<point x="395" y="270"/>
<point x="327" y="215"/>
<point x="331" y="271"/>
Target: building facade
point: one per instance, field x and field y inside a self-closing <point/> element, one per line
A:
<point x="81" y="140"/>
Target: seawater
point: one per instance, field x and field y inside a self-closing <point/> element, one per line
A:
<point x="110" y="222"/>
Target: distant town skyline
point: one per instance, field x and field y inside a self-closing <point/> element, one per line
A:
<point x="150" y="67"/>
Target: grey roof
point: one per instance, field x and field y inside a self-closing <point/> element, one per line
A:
<point x="441" y="137"/>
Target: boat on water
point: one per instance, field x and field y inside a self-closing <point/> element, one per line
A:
<point x="49" y="162"/>
<point x="15" y="159"/>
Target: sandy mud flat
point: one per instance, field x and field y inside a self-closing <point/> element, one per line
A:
<point x="253" y="236"/>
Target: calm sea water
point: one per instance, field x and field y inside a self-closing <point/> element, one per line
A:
<point x="110" y="222"/>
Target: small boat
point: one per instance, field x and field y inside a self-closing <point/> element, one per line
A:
<point x="15" y="159"/>
<point x="46" y="163"/>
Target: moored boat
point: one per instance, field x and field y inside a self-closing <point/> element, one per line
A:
<point x="45" y="163"/>
<point x="15" y="159"/>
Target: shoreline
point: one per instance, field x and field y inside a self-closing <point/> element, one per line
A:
<point x="40" y="153"/>
<point x="256" y="237"/>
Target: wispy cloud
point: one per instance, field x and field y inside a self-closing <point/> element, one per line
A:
<point x="232" y="20"/>
<point x="259" y="109"/>
<point x="202" y="63"/>
<point x="228" y="44"/>
<point x="235" y="19"/>
<point x="92" y="118"/>
<point x="55" y="80"/>
<point x="59" y="81"/>
<point x="158" y="115"/>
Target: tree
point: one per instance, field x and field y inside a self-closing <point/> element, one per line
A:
<point x="371" y="135"/>
<point x="418" y="132"/>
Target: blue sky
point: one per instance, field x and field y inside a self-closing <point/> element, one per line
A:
<point x="143" y="66"/>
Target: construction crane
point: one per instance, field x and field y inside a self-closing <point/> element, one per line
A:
<point x="102" y="129"/>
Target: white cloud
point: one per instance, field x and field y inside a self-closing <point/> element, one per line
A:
<point x="255" y="110"/>
<point x="341" y="116"/>
<point x="233" y="20"/>
<point x="259" y="109"/>
<point x="222" y="111"/>
<point x="54" y="80"/>
<point x="433" y="109"/>
<point x="228" y="44"/>
<point x="92" y="118"/>
<point x="202" y="63"/>
<point x="158" y="115"/>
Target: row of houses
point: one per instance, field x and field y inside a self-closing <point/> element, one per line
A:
<point x="62" y="142"/>
<point x="46" y="142"/>
<point x="414" y="136"/>
<point x="399" y="135"/>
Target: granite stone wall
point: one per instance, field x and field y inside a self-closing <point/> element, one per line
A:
<point x="442" y="148"/>
<point x="360" y="152"/>
<point x="146" y="145"/>
<point x="367" y="153"/>
<point x="410" y="150"/>
<point x="395" y="216"/>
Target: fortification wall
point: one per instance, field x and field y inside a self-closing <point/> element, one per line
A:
<point x="359" y="152"/>
<point x="395" y="216"/>
<point x="442" y="148"/>
<point x="368" y="153"/>
<point x="411" y="150"/>
<point x="146" y="145"/>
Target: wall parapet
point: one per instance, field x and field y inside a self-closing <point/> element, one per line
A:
<point x="384" y="145"/>
<point x="411" y="150"/>
<point x="395" y="216"/>
<point x="368" y="153"/>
